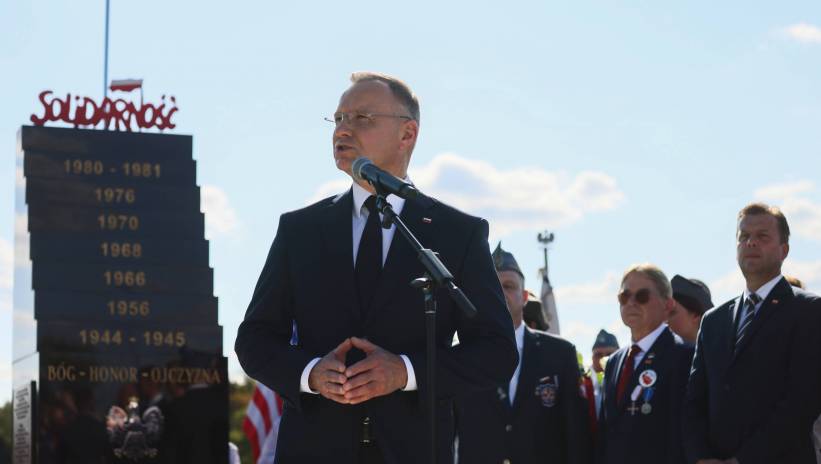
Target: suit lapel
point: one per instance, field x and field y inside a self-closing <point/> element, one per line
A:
<point x="337" y="236"/>
<point x="729" y="321"/>
<point x="528" y="372"/>
<point x="778" y="295"/>
<point x="611" y="386"/>
<point x="657" y="352"/>
<point x="399" y="264"/>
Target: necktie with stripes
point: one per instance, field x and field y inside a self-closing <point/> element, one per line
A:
<point x="748" y="315"/>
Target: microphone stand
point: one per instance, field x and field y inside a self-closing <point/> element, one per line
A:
<point x="436" y="276"/>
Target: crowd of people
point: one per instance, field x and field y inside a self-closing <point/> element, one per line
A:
<point x="336" y="331"/>
<point x="699" y="383"/>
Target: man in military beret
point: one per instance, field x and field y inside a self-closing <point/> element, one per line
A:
<point x="534" y="315"/>
<point x="593" y="376"/>
<point x="540" y="415"/>
<point x="692" y="299"/>
<point x="605" y="345"/>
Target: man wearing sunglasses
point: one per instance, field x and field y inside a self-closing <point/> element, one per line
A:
<point x="644" y="382"/>
<point x="539" y="415"/>
<point x="354" y="382"/>
<point x="754" y="388"/>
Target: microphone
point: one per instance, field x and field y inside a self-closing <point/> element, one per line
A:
<point x="363" y="169"/>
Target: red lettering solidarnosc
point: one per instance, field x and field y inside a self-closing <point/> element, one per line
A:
<point x="85" y="112"/>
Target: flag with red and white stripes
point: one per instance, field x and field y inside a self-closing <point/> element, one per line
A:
<point x="261" y="423"/>
<point x="126" y="85"/>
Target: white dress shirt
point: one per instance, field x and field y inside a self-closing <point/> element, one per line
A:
<point x="763" y="292"/>
<point x="359" y="217"/>
<point x="520" y="343"/>
<point x="646" y="343"/>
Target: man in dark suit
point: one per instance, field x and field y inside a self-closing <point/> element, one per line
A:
<point x="539" y="416"/>
<point x="354" y="383"/>
<point x="751" y="397"/>
<point x="644" y="382"/>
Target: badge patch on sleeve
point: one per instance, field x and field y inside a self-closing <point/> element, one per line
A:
<point x="547" y="390"/>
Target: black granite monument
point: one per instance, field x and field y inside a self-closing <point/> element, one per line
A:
<point x="117" y="348"/>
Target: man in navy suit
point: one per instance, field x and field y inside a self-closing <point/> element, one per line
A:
<point x="354" y="381"/>
<point x="754" y="386"/>
<point x="539" y="415"/>
<point x="644" y="382"/>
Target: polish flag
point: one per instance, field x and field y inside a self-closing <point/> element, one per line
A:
<point x="126" y="85"/>
<point x="261" y="423"/>
<point x="549" y="304"/>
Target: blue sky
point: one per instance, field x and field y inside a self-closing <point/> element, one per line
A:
<point x="635" y="131"/>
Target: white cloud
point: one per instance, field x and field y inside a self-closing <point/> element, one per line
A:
<point x="804" y="33"/>
<point x="521" y="198"/>
<point x="602" y="291"/>
<point x="803" y="213"/>
<point x="220" y="216"/>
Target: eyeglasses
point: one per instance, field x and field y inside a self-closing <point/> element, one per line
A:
<point x="359" y="120"/>
<point x="641" y="296"/>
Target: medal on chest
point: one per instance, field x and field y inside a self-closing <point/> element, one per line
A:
<point x="645" y="389"/>
<point x="547" y="390"/>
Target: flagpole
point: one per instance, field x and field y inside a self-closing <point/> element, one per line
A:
<point x="545" y="239"/>
<point x="105" y="58"/>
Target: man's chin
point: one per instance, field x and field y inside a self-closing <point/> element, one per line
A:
<point x="751" y="268"/>
<point x="344" y="165"/>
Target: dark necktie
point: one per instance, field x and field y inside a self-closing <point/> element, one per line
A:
<point x="626" y="373"/>
<point x="748" y="316"/>
<point x="369" y="257"/>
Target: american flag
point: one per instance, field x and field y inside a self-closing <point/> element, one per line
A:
<point x="261" y="423"/>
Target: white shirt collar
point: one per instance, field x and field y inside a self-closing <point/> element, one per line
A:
<point x="360" y="195"/>
<point x="647" y="342"/>
<point x="520" y="336"/>
<point x="765" y="289"/>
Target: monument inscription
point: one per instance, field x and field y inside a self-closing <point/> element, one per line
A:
<point x="116" y="339"/>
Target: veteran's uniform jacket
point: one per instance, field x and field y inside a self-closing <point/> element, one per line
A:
<point x="548" y="420"/>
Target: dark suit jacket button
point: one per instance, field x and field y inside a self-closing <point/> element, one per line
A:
<point x="508" y="428"/>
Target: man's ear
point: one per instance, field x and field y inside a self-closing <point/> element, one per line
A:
<point x="410" y="131"/>
<point x="668" y="307"/>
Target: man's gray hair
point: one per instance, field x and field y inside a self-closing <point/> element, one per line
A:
<point x="655" y="274"/>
